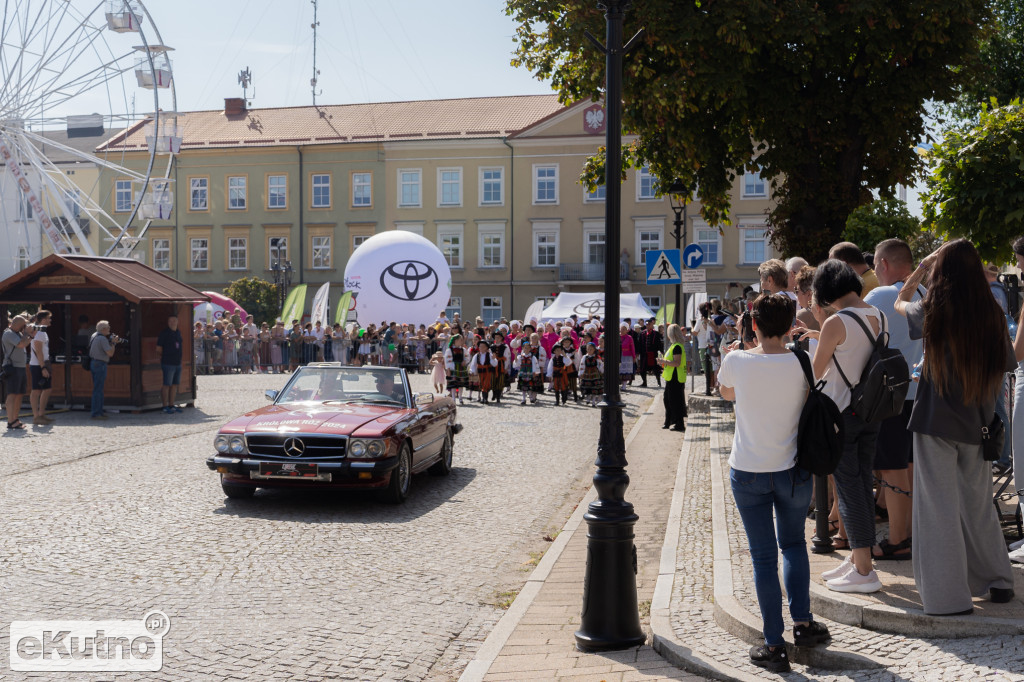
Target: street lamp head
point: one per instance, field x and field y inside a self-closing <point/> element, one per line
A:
<point x="678" y="195"/>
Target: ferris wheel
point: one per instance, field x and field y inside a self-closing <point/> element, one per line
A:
<point x="73" y="73"/>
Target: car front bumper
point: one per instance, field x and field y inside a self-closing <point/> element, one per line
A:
<point x="347" y="472"/>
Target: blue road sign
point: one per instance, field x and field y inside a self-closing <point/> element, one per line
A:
<point x="663" y="266"/>
<point x="693" y="256"/>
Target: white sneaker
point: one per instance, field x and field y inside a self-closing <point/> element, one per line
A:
<point x="1017" y="555"/>
<point x="839" y="571"/>
<point x="853" y="581"/>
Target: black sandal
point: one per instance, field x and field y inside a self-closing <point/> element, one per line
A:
<point x="836" y="543"/>
<point x="894" y="552"/>
<point x="16" y="424"/>
<point x="833" y="527"/>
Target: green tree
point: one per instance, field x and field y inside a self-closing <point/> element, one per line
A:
<point x="999" y="73"/>
<point x="882" y="219"/>
<point x="975" y="189"/>
<point x="831" y="93"/>
<point x="257" y="296"/>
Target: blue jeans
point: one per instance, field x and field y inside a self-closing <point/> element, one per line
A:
<point x="788" y="494"/>
<point x="99" y="380"/>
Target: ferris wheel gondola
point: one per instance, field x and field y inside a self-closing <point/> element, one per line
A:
<point x="60" y="60"/>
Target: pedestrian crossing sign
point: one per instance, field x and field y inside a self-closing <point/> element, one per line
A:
<point x="663" y="266"/>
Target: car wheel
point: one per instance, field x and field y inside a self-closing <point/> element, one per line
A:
<point x="444" y="466"/>
<point x="237" y="491"/>
<point x="401" y="478"/>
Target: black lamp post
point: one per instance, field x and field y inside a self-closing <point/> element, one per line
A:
<point x="679" y="197"/>
<point x="610" y="619"/>
<point x="282" y="276"/>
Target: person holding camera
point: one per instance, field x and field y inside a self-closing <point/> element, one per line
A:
<point x="101" y="349"/>
<point x="16" y="339"/>
<point x="39" y="368"/>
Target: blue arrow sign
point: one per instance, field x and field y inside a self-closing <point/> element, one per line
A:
<point x="663" y="266"/>
<point x="693" y="256"/>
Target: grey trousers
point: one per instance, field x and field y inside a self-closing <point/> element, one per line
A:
<point x="1017" y="433"/>
<point x="959" y="550"/>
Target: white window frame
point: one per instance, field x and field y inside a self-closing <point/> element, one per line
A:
<point x="324" y="242"/>
<point x="238" y="245"/>
<point x="592" y="197"/>
<point x="362" y="189"/>
<point x="495" y="304"/>
<point x="317" y="182"/>
<point x="642" y="175"/>
<point x="743" y="226"/>
<point x="244" y="188"/>
<point x="161" y="253"/>
<point x="500" y="201"/>
<point x="441" y="185"/>
<point x="537" y="168"/>
<point x="415" y="228"/>
<point x="592" y="229"/>
<point x="648" y="227"/>
<point x="418" y="184"/>
<point x="283" y="192"/>
<point x="453" y="308"/>
<point x="698" y="227"/>
<point x="274" y="252"/>
<point x="200" y="185"/>
<point x="653" y="302"/>
<point x="453" y="230"/>
<point x="122" y="188"/>
<point x="358" y="239"/>
<point x="24" y="258"/>
<point x="194" y="247"/>
<point x="548" y="300"/>
<point x="546" y="230"/>
<point x="757" y="180"/>
<point x="485" y="230"/>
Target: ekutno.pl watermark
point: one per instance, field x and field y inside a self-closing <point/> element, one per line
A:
<point x="89" y="645"/>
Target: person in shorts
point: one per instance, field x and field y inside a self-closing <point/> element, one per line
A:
<point x="168" y="344"/>
<point x="39" y="370"/>
<point x="15" y="340"/>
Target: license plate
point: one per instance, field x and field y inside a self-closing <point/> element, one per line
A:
<point x="288" y="470"/>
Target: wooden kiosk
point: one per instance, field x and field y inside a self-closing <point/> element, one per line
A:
<point x="136" y="300"/>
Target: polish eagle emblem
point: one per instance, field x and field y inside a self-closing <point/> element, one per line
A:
<point x="595" y="118"/>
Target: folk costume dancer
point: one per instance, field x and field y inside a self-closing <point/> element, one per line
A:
<point x="591" y="370"/>
<point x="573" y="374"/>
<point x="456" y="363"/>
<point x="502" y="353"/>
<point x="541" y="360"/>
<point x="528" y="368"/>
<point x="485" y="366"/>
<point x="558" y="373"/>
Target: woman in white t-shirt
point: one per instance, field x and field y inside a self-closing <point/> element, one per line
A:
<point x="769" y="389"/>
<point x="39" y="367"/>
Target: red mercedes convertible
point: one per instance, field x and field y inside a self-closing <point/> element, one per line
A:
<point x="334" y="426"/>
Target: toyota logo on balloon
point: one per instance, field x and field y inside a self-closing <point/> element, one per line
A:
<point x="402" y="278"/>
<point x="409" y="280"/>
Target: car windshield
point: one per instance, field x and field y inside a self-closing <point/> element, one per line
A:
<point x="345" y="384"/>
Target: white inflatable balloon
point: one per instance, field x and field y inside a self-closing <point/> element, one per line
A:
<point x="398" y="276"/>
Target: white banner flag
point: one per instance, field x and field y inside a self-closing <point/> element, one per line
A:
<point x="321" y="306"/>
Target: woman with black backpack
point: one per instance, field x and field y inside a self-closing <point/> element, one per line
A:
<point x="958" y="552"/>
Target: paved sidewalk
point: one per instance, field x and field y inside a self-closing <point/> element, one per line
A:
<point x="534" y="641"/>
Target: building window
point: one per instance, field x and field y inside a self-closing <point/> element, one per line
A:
<point x="358" y="239"/>
<point x="277" y="249"/>
<point x="410" y="183"/>
<point x="753" y="244"/>
<point x="449" y="188"/>
<point x="25" y="208"/>
<point x="415" y="228"/>
<point x="647" y="239"/>
<point x="321" y="191"/>
<point x="646" y="185"/>
<point x="491" y="186"/>
<point x="548" y="300"/>
<point x="277" y="191"/>
<point x="596" y="195"/>
<point x="321" y="252"/>
<point x="490" y="309"/>
<point x="362" y="195"/>
<point x="453" y="308"/>
<point x="753" y="185"/>
<point x="492" y="246"/>
<point x="545" y="184"/>
<point x="199" y="194"/>
<point x="238" y="253"/>
<point x="200" y="253"/>
<point x="162" y="254"/>
<point x="123" y="196"/>
<point x="237" y="193"/>
<point x="23" y="258"/>
<point x="545" y="248"/>
<point x="710" y="241"/>
<point x="593" y="247"/>
<point x="653" y="302"/>
<point x="449" y="240"/>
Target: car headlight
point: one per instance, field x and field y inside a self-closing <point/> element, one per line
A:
<point x="366" y="449"/>
<point x="357" y="448"/>
<point x="375" y="448"/>
<point x="237" y="445"/>
<point x="222" y="444"/>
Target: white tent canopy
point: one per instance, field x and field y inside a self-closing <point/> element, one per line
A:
<point x="584" y="305"/>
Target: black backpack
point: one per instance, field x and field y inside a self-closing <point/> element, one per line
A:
<point x="884" y="383"/>
<point x="819" y="437"/>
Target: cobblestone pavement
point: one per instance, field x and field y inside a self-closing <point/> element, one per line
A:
<point x="109" y="520"/>
<point x="995" y="658"/>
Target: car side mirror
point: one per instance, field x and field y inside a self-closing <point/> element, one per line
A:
<point x="424" y="398"/>
<point x="271" y="395"/>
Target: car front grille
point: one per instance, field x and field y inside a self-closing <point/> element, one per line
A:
<point x="313" y="447"/>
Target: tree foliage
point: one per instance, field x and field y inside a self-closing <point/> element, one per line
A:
<point x="257" y="296"/>
<point x="882" y="219"/>
<point x="999" y="72"/>
<point x="975" y="189"/>
<point x="827" y="95"/>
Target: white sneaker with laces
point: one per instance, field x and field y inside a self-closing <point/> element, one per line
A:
<point x="853" y="581"/>
<point x="839" y="571"/>
<point x="1017" y="555"/>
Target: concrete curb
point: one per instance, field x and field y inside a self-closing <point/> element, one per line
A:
<point x="506" y="625"/>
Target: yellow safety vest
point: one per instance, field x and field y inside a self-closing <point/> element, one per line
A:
<point x="680" y="370"/>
